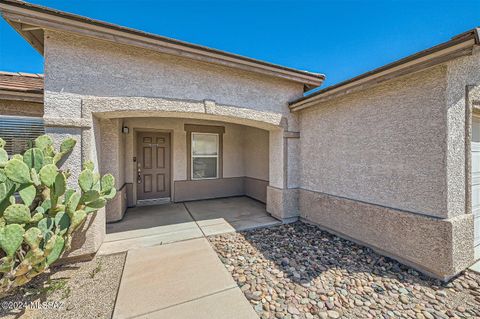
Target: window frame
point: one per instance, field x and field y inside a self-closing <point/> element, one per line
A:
<point x="199" y="128"/>
<point x="217" y="156"/>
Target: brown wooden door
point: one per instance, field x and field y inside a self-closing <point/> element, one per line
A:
<point x="153" y="165"/>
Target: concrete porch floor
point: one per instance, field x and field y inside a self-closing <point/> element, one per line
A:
<point x="161" y="224"/>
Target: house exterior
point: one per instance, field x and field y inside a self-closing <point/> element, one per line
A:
<point x="388" y="159"/>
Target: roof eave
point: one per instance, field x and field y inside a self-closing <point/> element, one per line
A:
<point x="458" y="46"/>
<point x="28" y="19"/>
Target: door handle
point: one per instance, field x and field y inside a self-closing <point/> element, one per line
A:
<point x="139" y="178"/>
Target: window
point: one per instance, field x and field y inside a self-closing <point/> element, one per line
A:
<point x="205" y="155"/>
<point x="19" y="131"/>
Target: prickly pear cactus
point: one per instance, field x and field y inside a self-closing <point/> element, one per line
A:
<point x="38" y="212"/>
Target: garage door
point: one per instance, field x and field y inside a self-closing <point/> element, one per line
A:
<point x="476" y="182"/>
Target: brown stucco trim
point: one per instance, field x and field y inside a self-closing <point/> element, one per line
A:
<point x="256" y="188"/>
<point x="458" y="46"/>
<point x="188" y="190"/>
<point x="195" y="128"/>
<point x="29" y="20"/>
<point x="438" y="247"/>
<point x="208" y="188"/>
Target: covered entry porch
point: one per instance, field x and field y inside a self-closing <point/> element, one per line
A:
<point x="166" y="223"/>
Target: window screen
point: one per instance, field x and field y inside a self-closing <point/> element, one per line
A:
<point x="19" y="131"/>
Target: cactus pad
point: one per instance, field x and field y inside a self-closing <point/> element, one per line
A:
<point x="76" y="220"/>
<point x="72" y="204"/>
<point x="107" y="182"/>
<point x="28" y="194"/>
<point x="60" y="184"/>
<point x="57" y="249"/>
<point x="17" y="171"/>
<point x="47" y="174"/>
<point x="43" y="142"/>
<point x="67" y="145"/>
<point x="32" y="237"/>
<point x="90" y="196"/>
<point x="33" y="158"/>
<point x="17" y="214"/>
<point x="11" y="237"/>
<point x="86" y="180"/>
<point x="3" y="157"/>
<point x="46" y="225"/>
<point x="62" y="222"/>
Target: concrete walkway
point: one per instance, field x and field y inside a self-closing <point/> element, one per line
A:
<point x="162" y="224"/>
<point x="183" y="280"/>
<point x="171" y="271"/>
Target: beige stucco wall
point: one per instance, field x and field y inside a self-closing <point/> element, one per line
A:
<point x="20" y="108"/>
<point x="88" y="81"/>
<point x="385" y="145"/>
<point x="77" y="65"/>
<point x="461" y="73"/>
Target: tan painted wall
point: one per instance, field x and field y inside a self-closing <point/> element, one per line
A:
<point x="384" y="145"/>
<point x="245" y="149"/>
<point x="20" y="108"/>
<point x="256" y="153"/>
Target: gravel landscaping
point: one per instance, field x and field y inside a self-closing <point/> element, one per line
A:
<point x="77" y="290"/>
<point x="299" y="271"/>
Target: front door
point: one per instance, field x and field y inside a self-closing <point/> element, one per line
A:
<point x="153" y="165"/>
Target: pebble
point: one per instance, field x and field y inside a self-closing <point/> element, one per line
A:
<point x="325" y="276"/>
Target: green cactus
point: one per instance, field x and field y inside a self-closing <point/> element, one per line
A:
<point x="6" y="264"/>
<point x="2" y="143"/>
<point x="37" y="231"/>
<point x="3" y="157"/>
<point x="35" y="177"/>
<point x="76" y="220"/>
<point x="17" y="171"/>
<point x="58" y="242"/>
<point x="27" y="194"/>
<point x="47" y="174"/>
<point x="33" y="158"/>
<point x="60" y="185"/>
<point x="62" y="222"/>
<point x="72" y="204"/>
<point x="32" y="237"/>
<point x="11" y="238"/>
<point x="44" y="141"/>
<point x="89" y="196"/>
<point x="86" y="180"/>
<point x="17" y="214"/>
<point x="46" y="225"/>
<point x="67" y="145"/>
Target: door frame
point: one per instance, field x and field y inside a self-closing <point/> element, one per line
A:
<point x="135" y="155"/>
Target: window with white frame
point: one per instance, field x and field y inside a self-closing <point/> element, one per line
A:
<point x="205" y="155"/>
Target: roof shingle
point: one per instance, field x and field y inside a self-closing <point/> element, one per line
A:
<point x="21" y="82"/>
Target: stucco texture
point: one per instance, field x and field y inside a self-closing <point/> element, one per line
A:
<point x="439" y="247"/>
<point x="82" y="66"/>
<point x="385" y="145"/>
<point x="461" y="73"/>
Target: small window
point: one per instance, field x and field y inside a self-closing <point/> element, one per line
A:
<point x="205" y="155"/>
<point x="19" y="132"/>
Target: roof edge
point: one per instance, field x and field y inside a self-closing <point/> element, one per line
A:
<point x="16" y="13"/>
<point x="457" y="46"/>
